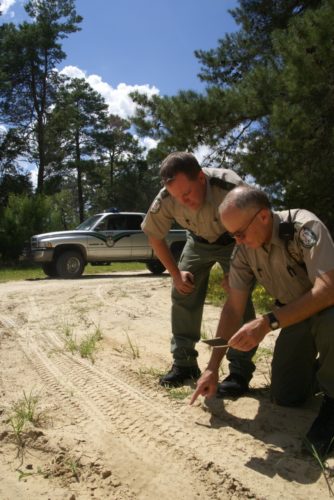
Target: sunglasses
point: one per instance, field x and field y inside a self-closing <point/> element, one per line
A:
<point x="241" y="233"/>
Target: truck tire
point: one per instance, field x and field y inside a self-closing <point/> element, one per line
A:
<point x="70" y="264"/>
<point x="49" y="269"/>
<point x="155" y="266"/>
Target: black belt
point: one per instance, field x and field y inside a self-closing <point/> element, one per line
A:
<point x="224" y="239"/>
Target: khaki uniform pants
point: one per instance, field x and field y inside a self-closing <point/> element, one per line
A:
<point x="187" y="310"/>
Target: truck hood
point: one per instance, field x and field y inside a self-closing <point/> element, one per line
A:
<point x="61" y="234"/>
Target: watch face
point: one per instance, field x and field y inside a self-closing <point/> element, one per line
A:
<point x="274" y="324"/>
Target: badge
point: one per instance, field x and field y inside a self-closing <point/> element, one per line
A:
<point x="155" y="207"/>
<point x="307" y="237"/>
<point x="110" y="241"/>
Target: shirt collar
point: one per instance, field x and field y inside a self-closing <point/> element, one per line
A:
<point x="275" y="239"/>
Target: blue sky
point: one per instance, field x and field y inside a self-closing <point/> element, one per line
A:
<point x="144" y="45"/>
<point x="142" y="42"/>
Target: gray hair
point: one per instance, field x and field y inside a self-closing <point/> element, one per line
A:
<point x="244" y="198"/>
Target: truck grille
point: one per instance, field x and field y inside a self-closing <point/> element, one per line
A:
<point x="34" y="242"/>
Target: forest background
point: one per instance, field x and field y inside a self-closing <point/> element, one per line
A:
<point x="267" y="112"/>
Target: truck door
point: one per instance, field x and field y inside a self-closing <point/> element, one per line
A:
<point x="117" y="236"/>
<point x="139" y="241"/>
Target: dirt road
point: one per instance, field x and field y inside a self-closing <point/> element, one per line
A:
<point x="106" y="430"/>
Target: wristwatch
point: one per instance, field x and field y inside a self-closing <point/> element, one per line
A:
<point x="273" y="321"/>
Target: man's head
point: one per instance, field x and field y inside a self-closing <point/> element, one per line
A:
<point x="246" y="214"/>
<point x="184" y="179"/>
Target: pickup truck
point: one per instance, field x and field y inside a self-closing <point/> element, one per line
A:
<point x="103" y="238"/>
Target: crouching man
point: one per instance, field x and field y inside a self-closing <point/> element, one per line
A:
<point x="290" y="253"/>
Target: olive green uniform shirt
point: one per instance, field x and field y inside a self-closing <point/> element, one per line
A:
<point x="204" y="222"/>
<point x="286" y="274"/>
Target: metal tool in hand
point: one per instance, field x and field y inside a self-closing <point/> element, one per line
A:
<point x="217" y="342"/>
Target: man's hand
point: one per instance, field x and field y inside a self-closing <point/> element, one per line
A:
<point x="225" y="284"/>
<point x="250" y="334"/>
<point x="184" y="283"/>
<point x="206" y="385"/>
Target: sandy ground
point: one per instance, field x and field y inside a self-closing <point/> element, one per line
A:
<point x="105" y="429"/>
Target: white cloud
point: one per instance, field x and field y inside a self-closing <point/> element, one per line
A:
<point x="33" y="175"/>
<point x="118" y="98"/>
<point x="147" y="142"/>
<point x="204" y="155"/>
<point x="6" y="5"/>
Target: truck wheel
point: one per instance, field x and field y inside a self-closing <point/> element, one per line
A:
<point x="155" y="266"/>
<point x="70" y="264"/>
<point x="49" y="269"/>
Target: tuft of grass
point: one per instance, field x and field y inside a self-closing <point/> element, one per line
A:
<point x="70" y="340"/>
<point x="23" y="411"/>
<point x="132" y="348"/>
<point x="179" y="393"/>
<point x="88" y="345"/>
<point x="73" y="466"/>
<point x="151" y="372"/>
<point x="326" y="472"/>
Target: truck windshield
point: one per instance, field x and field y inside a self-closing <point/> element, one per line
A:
<point x="86" y="225"/>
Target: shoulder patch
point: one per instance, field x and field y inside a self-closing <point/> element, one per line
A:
<point x="228" y="186"/>
<point x="164" y="193"/>
<point x="156" y="205"/>
<point x="307" y="237"/>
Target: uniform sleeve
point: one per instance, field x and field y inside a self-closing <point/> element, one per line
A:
<point x="234" y="178"/>
<point x="316" y="244"/>
<point x="240" y="275"/>
<point x="159" y="218"/>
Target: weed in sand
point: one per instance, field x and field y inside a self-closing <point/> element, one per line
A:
<point x="23" y="411"/>
<point x="326" y="472"/>
<point x="73" y="465"/>
<point x="151" y="372"/>
<point x="88" y="345"/>
<point x="25" y="474"/>
<point x="132" y="348"/>
<point x="179" y="393"/>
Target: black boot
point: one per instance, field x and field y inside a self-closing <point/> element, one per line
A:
<point x="178" y="374"/>
<point x="320" y="437"/>
<point x="234" y="385"/>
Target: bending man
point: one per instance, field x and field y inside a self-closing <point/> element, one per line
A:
<point x="191" y="196"/>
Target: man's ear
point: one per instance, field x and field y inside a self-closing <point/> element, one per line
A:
<point x="265" y="215"/>
<point x="201" y="177"/>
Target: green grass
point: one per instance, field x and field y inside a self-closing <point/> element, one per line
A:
<point x="86" y="347"/>
<point x="22" y="272"/>
<point x="217" y="296"/>
<point x="23" y="411"/>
